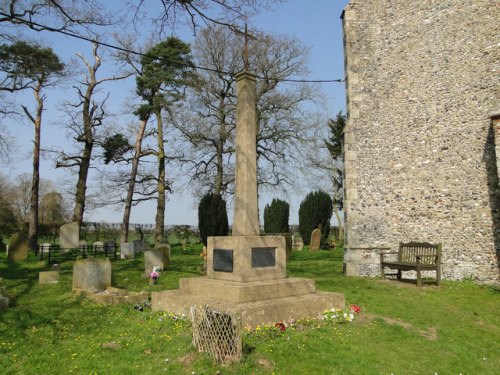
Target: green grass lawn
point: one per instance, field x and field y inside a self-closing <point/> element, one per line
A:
<point x="402" y="329"/>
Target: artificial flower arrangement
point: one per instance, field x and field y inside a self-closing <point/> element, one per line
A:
<point x="154" y="275"/>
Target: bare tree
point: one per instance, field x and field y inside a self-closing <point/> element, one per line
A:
<point x="198" y="12"/>
<point x="284" y="122"/>
<point x="85" y="117"/>
<point x="52" y="15"/>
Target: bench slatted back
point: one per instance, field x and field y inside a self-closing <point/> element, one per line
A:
<point x="428" y="252"/>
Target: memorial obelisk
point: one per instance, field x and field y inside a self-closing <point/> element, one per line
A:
<point x="247" y="271"/>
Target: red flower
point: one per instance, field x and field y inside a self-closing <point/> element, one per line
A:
<point x="281" y="326"/>
<point x="355" y="309"/>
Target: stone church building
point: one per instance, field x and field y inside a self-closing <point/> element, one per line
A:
<point x="423" y="123"/>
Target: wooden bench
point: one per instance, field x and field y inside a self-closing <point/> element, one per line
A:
<point x="417" y="256"/>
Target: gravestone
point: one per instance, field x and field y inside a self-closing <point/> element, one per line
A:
<point x="153" y="258"/>
<point x="98" y="246"/>
<point x="18" y="247"/>
<point x="48" y="277"/>
<point x="109" y="247"/>
<point x="69" y="236"/>
<point x="45" y="247"/>
<point x="166" y="250"/>
<point x="298" y="244"/>
<point x="315" y="240"/>
<point x="91" y="275"/>
<point x="126" y="250"/>
<point x="139" y="246"/>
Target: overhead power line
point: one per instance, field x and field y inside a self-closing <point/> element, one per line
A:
<point x="126" y="50"/>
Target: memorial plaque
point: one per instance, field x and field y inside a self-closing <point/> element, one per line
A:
<point x="264" y="257"/>
<point x="223" y="260"/>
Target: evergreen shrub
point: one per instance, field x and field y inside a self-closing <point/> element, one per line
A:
<point x="276" y="216"/>
<point x="315" y="210"/>
<point x="212" y="217"/>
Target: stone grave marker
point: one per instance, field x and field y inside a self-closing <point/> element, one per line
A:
<point x="91" y="275"/>
<point x="126" y="250"/>
<point x="166" y="250"/>
<point x="315" y="240"/>
<point x="298" y="244"/>
<point x="48" y="277"/>
<point x="153" y="258"/>
<point x="45" y="247"/>
<point x="18" y="247"/>
<point x="69" y="236"/>
<point x="138" y="246"/>
<point x="98" y="246"/>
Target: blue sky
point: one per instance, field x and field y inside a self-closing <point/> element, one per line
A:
<point x="316" y="23"/>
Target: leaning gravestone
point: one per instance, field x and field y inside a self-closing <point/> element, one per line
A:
<point x="18" y="247"/>
<point x="315" y="240"/>
<point x="126" y="250"/>
<point x="91" y="275"/>
<point x="69" y="236"/>
<point x="153" y="258"/>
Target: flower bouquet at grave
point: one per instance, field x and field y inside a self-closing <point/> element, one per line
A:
<point x="154" y="275"/>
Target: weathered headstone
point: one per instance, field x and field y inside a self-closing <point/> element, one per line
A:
<point x="298" y="244"/>
<point x="166" y="250"/>
<point x="91" y="275"/>
<point x="98" y="246"/>
<point x="315" y="240"/>
<point x="18" y="247"/>
<point x="153" y="258"/>
<point x="109" y="247"/>
<point x="138" y="246"/>
<point x="45" y="247"/>
<point x="48" y="277"/>
<point x="126" y="250"/>
<point x="69" y="236"/>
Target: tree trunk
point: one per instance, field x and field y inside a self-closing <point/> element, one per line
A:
<point x="131" y="183"/>
<point x="81" y="184"/>
<point x="160" y="207"/>
<point x="219" y="177"/>
<point x="35" y="183"/>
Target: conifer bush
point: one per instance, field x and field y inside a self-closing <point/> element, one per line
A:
<point x="276" y="216"/>
<point x="315" y="209"/>
<point x="212" y="217"/>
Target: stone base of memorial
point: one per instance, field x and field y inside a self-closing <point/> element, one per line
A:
<point x="248" y="274"/>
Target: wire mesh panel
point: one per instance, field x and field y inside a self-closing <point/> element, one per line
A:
<point x="217" y="333"/>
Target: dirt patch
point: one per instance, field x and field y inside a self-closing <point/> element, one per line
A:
<point x="187" y="360"/>
<point x="429" y="333"/>
<point x="265" y="363"/>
